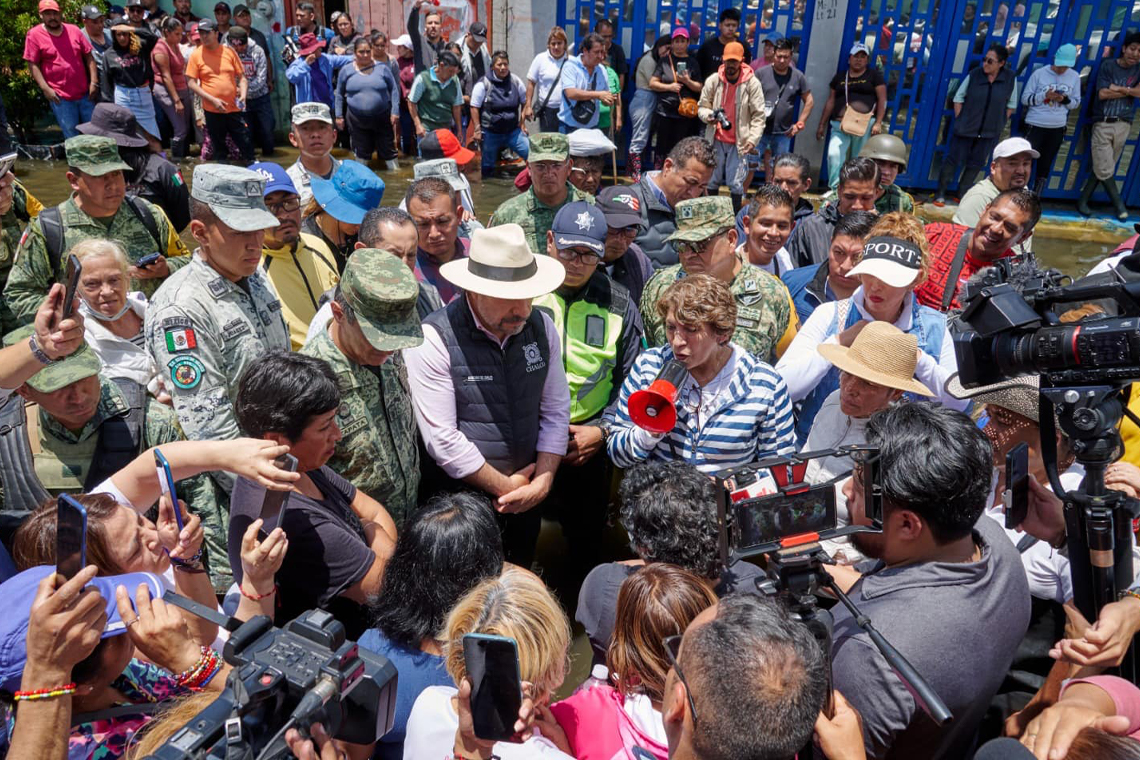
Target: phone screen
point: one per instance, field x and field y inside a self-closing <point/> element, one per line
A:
<point x="70" y="537"/>
<point x="496" y="691"/>
<point x="166" y="482"/>
<point x="1016" y="495"/>
<point x="768" y="519"/>
<point x="273" y="505"/>
<point x="74" y="270"/>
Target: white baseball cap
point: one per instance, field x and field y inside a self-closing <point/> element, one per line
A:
<point x="403" y="40"/>
<point x="1013" y="146"/>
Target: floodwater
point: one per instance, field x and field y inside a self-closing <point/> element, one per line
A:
<point x="46" y="180"/>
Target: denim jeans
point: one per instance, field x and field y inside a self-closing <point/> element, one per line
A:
<point x="641" y="119"/>
<point x="259" y="117"/>
<point x="71" y="113"/>
<point x="140" y="102"/>
<point x="838" y="146"/>
<point x="493" y="143"/>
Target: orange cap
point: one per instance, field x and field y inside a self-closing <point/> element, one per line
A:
<point x="733" y="51"/>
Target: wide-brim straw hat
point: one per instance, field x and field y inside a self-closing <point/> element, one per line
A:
<point x="1021" y="395"/>
<point x="500" y="264"/>
<point x="882" y="354"/>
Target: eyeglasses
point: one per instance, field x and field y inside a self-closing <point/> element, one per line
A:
<point x="578" y="254"/>
<point x="673" y="651"/>
<point x="989" y="59"/>
<point x="698" y="247"/>
<point x="284" y="207"/>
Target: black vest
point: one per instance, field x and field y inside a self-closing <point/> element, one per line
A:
<point x="983" y="112"/>
<point x="498" y="392"/>
<point x="500" y="111"/>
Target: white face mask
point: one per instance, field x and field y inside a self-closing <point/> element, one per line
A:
<point x="90" y="311"/>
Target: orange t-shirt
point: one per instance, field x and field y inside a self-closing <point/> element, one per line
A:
<point x="218" y="72"/>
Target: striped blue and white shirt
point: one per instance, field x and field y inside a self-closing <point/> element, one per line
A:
<point x="751" y="420"/>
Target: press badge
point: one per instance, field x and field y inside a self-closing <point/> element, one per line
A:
<point x="595" y="331"/>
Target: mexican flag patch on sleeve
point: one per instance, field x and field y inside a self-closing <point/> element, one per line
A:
<point x="181" y="340"/>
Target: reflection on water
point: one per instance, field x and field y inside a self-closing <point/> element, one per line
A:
<point x="47" y="181"/>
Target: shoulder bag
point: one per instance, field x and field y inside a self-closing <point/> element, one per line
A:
<point x="853" y="122"/>
<point x="553" y="84"/>
<point x="583" y="110"/>
<point x="686" y="107"/>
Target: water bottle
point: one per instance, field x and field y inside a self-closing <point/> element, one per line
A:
<point x="599" y="676"/>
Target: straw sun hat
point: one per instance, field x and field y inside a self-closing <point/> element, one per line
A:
<point x="882" y="354"/>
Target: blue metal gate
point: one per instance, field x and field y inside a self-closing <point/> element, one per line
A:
<point x="925" y="47"/>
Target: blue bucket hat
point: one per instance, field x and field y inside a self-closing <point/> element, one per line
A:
<point x="18" y="593"/>
<point x="276" y="178"/>
<point x="351" y="192"/>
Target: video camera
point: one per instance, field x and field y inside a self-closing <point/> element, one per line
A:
<point x="290" y="677"/>
<point x="1012" y="326"/>
<point x="721" y="118"/>
<point x="767" y="506"/>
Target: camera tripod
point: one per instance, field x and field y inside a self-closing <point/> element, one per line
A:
<point x="797" y="574"/>
<point x="1098" y="521"/>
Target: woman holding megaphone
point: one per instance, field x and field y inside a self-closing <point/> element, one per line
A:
<point x="700" y="399"/>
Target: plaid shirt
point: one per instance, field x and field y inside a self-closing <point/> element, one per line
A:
<point x="943" y="239"/>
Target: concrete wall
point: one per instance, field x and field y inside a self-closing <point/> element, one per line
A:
<point x="824" y="55"/>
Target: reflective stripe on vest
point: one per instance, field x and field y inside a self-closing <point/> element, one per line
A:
<point x="589" y="369"/>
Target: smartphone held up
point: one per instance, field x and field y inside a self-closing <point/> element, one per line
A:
<point x="492" y="664"/>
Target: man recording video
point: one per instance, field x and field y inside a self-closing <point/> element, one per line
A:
<point x="947" y="589"/>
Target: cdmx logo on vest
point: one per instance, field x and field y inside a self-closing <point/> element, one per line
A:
<point x="533" y="356"/>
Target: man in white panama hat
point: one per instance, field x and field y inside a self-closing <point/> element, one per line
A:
<point x="488" y="384"/>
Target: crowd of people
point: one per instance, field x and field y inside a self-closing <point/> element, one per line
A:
<point x="442" y="384"/>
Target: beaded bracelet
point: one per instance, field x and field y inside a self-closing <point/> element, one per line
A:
<point x="30" y="695"/>
<point x="202" y="672"/>
<point x="257" y="597"/>
<point x="201" y="664"/>
<point x="1128" y="592"/>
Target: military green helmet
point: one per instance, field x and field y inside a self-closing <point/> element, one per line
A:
<point x="884" y="147"/>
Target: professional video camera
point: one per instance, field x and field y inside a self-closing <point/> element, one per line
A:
<point x="285" y="678"/>
<point x="722" y="119"/>
<point x="767" y="509"/>
<point x="1081" y="341"/>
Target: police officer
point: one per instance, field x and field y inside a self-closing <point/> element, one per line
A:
<point x="98" y="207"/>
<point x="69" y="429"/>
<point x="151" y="176"/>
<point x="706" y="244"/>
<point x="550" y="190"/>
<point x="17" y="208"/>
<point x="217" y="315"/>
<point x="374" y="317"/>
<point x="889" y="153"/>
<point x="601" y="332"/>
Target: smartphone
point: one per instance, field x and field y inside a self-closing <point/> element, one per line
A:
<point x="146" y="261"/>
<point x="7" y="163"/>
<point x="1016" y="494"/>
<point x="492" y="664"/>
<point x="74" y="270"/>
<point x="70" y="537"/>
<point x="166" y="482"/>
<point x="772" y="518"/>
<point x="273" y="505"/>
<point x="682" y="68"/>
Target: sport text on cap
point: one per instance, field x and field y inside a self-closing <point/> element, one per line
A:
<point x="896" y="262"/>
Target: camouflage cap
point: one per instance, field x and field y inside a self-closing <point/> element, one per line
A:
<point x="234" y="194"/>
<point x="548" y="146"/>
<point x="382" y="291"/>
<point x="303" y="112"/>
<point x="94" y="155"/>
<point x="446" y="168"/>
<point x="701" y="218"/>
<point x="62" y="372"/>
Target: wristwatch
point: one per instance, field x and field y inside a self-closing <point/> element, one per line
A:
<point x="38" y="352"/>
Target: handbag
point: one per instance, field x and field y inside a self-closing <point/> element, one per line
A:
<point x="583" y="110"/>
<point x="853" y="123"/>
<point x="686" y="107"/>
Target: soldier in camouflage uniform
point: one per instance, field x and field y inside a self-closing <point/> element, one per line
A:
<point x="17" y="208"/>
<point x="71" y="424"/>
<point x="374" y="316"/>
<point x="97" y="208"/>
<point x="706" y="242"/>
<point x="216" y="316"/>
<point x="550" y="190"/>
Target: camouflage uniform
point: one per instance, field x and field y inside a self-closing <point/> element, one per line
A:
<point x="526" y="210"/>
<point x="204" y="330"/>
<point x="894" y="198"/>
<point x="31" y="275"/>
<point x="763" y="310"/>
<point x="378" y="452"/>
<point x="25" y="207"/>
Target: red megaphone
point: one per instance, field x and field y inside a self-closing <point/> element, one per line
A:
<point x="653" y="408"/>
